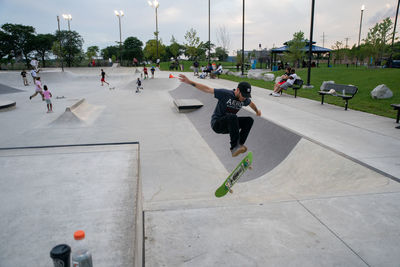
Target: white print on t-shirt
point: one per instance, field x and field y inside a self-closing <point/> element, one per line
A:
<point x="233" y="106"/>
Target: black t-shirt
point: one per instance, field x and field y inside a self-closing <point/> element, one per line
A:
<point x="23" y="73"/>
<point x="103" y="74"/>
<point x="227" y="103"/>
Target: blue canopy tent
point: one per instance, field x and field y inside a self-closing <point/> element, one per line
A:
<point x="314" y="50"/>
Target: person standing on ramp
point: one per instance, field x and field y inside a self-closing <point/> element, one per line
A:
<point x="224" y="119"/>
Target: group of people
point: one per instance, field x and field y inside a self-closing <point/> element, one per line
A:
<point x="286" y="80"/>
<point x="211" y="69"/>
<point x="145" y="72"/>
<point x="39" y="90"/>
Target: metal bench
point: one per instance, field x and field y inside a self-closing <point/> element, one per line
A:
<point x="346" y="92"/>
<point x="396" y="107"/>
<point x="298" y="83"/>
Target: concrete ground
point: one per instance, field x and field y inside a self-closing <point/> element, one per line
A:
<point x="139" y="177"/>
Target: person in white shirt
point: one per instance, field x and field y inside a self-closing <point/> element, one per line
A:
<point x="34" y="75"/>
<point x="217" y="72"/>
<point x="289" y="82"/>
<point x="35" y="64"/>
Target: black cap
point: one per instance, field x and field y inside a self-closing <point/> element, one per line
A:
<point x="245" y="89"/>
<point x="60" y="251"/>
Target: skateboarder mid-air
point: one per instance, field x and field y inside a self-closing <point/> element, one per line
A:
<point x="224" y="119"/>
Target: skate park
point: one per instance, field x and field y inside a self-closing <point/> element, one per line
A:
<point x="139" y="177"/>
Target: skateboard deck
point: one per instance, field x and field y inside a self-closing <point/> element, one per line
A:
<point x="235" y="175"/>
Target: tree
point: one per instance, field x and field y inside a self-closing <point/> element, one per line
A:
<point x="21" y="39"/>
<point x="377" y="39"/>
<point x="223" y="38"/>
<point x="150" y="50"/>
<point x="202" y="50"/>
<point x="174" y="50"/>
<point x="71" y="43"/>
<point x="221" y="53"/>
<point x="133" y="49"/>
<point x="5" y="44"/>
<point x="110" y="51"/>
<point x="43" y="44"/>
<point x="296" y="47"/>
<point x="193" y="43"/>
<point x="91" y="52"/>
<point x="338" y="51"/>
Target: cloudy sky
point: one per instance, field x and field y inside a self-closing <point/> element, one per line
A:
<point x="268" y="22"/>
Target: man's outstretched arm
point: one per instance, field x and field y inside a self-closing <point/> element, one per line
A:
<point x="254" y="107"/>
<point x="199" y="86"/>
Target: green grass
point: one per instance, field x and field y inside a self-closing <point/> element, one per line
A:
<point x="188" y="64"/>
<point x="365" y="79"/>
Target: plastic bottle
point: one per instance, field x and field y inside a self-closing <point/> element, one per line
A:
<point x="81" y="256"/>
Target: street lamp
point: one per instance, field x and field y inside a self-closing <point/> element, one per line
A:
<point x="68" y="17"/>
<point x="59" y="32"/>
<point x="359" y="33"/>
<point x="119" y="15"/>
<point x="394" y="32"/>
<point x="310" y="46"/>
<point x="209" y="44"/>
<point x="243" y="41"/>
<point x="155" y="4"/>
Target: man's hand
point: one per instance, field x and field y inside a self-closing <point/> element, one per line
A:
<point x="258" y="112"/>
<point x="184" y="79"/>
<point x="199" y="86"/>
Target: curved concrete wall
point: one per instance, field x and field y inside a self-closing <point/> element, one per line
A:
<point x="270" y="143"/>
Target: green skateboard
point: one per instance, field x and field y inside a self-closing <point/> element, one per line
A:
<point x="235" y="175"/>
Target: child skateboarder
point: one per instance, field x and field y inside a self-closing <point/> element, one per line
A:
<point x="23" y="74"/>
<point x="103" y="78"/>
<point x="47" y="97"/>
<point x="224" y="119"/>
<point x="38" y="89"/>
<point x="138" y="85"/>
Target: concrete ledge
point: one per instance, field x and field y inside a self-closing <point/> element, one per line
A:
<point x="74" y="106"/>
<point x="187" y="104"/>
<point x="7" y="105"/>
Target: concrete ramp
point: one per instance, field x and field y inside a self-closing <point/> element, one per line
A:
<point x="270" y="143"/>
<point x="80" y="113"/>
<point x="5" y="89"/>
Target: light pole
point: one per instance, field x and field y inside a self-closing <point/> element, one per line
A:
<point x="359" y="33"/>
<point x="155" y="4"/>
<point x="394" y="32"/>
<point x="68" y="17"/>
<point x="119" y="15"/>
<point x="310" y="44"/>
<point x="243" y="41"/>
<point x="209" y="44"/>
<point x="59" y="32"/>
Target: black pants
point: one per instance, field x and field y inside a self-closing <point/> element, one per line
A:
<point x="237" y="127"/>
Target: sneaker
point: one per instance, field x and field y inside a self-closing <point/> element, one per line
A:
<point x="275" y="94"/>
<point x="30" y="98"/>
<point x="245" y="148"/>
<point x="238" y="150"/>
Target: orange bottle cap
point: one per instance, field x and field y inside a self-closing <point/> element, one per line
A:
<point x="79" y="235"/>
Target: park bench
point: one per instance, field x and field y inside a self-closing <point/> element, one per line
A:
<point x="396" y="107"/>
<point x="346" y="92"/>
<point x="298" y="83"/>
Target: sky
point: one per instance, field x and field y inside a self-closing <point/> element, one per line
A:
<point x="267" y="22"/>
